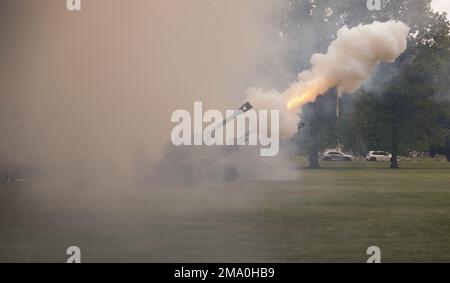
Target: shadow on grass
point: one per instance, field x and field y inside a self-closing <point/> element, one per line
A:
<point x="377" y="166"/>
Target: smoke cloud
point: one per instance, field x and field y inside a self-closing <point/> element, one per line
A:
<point x="350" y="60"/>
<point x="86" y="94"/>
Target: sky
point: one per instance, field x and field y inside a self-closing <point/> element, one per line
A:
<point x="94" y="89"/>
<point x="442" y="6"/>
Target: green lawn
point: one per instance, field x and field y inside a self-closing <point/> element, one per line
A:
<point x="329" y="215"/>
<point x="335" y="213"/>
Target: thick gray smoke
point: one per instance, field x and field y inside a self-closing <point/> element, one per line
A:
<point x="350" y="60"/>
<point x="86" y="94"/>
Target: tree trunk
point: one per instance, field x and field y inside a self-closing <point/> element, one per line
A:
<point x="314" y="159"/>
<point x="448" y="157"/>
<point x="394" y="160"/>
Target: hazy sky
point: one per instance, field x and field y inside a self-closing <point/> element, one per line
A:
<point x="441" y="5"/>
<point x="94" y="87"/>
<point x="90" y="89"/>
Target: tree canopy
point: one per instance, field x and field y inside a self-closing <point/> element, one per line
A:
<point x="404" y="105"/>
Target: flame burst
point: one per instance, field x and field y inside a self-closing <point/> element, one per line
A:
<point x="349" y="61"/>
<point x="297" y="102"/>
<point x="299" y="98"/>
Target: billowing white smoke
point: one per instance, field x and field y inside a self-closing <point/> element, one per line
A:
<point x="350" y="60"/>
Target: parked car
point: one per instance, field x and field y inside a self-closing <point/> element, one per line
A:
<point x="335" y="155"/>
<point x="379" y="156"/>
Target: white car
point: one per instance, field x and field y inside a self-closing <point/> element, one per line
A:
<point x="379" y="156"/>
<point x="334" y="155"/>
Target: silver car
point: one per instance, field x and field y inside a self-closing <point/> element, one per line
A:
<point x="335" y="155"/>
<point x="379" y="156"/>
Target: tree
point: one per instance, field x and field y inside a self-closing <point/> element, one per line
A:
<point x="401" y="116"/>
<point x="443" y="122"/>
<point x="321" y="128"/>
<point x="322" y="19"/>
<point x="437" y="41"/>
<point x="309" y="27"/>
<point x="406" y="109"/>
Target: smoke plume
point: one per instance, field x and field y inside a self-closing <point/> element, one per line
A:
<point x="90" y="94"/>
<point x="350" y="60"/>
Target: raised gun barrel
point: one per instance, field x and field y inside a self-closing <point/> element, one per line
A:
<point x="244" y="108"/>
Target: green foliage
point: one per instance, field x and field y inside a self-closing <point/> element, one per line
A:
<point x="321" y="126"/>
<point x="405" y="108"/>
<point x="404" y="114"/>
<point x="402" y="109"/>
<point x="443" y="122"/>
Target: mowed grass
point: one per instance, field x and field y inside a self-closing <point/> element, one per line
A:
<point x="329" y="215"/>
<point x="334" y="214"/>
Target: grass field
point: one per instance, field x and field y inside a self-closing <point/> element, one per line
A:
<point x="335" y="213"/>
<point x="329" y="215"/>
